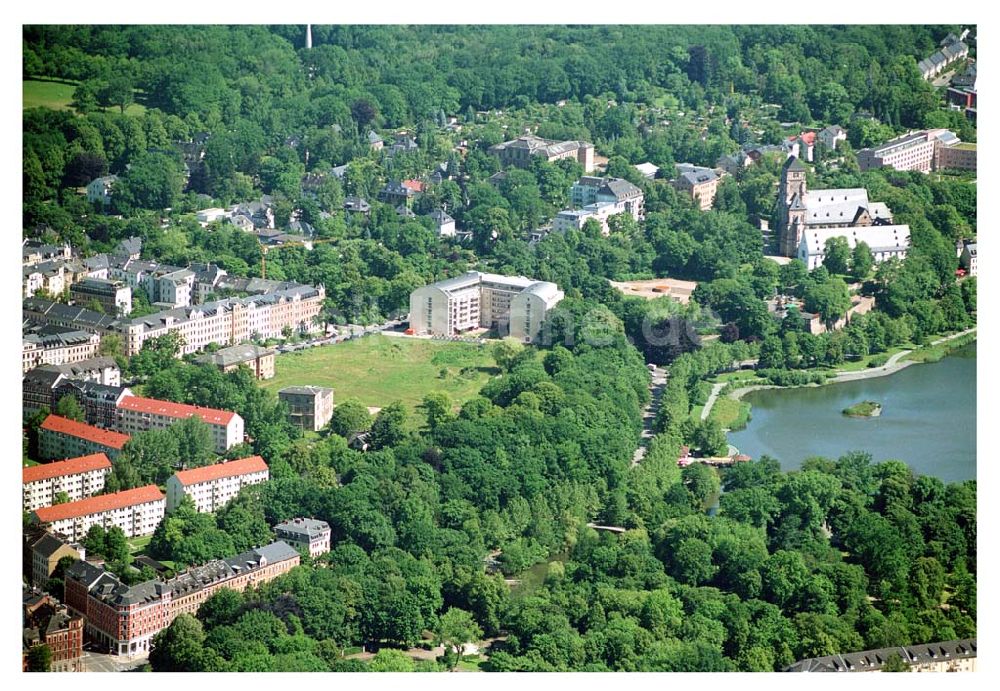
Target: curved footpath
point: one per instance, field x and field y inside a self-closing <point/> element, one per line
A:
<point x="892" y="365"/>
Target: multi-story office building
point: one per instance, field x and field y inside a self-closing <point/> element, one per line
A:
<point x="309" y="407"/>
<point x="79" y="478"/>
<point x="518" y="152"/>
<point x="138" y="414"/>
<point x="123" y="619"/>
<point x="305" y="533"/>
<point x="113" y="296"/>
<point x="60" y="437"/>
<point x="213" y="486"/>
<point x="136" y="511"/>
<point x="479" y="300"/>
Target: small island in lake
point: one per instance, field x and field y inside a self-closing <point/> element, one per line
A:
<point x="864" y="409"/>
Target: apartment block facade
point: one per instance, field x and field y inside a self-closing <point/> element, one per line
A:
<point x="212" y="487"/>
<point x="113" y="296"/>
<point x="123" y="619"/>
<point x="138" y="414"/>
<point x="136" y="511"/>
<point x="79" y="478"/>
<point x="60" y="438"/>
<point x="57" y="346"/>
<point x="309" y="407"/>
<point x="697" y="182"/>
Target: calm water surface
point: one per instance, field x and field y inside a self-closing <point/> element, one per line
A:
<point x="928" y="419"/>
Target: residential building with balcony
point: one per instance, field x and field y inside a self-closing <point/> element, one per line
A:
<point x="697" y="182"/>
<point x="79" y="478"/>
<point x="213" y="486"/>
<point x="309" y="407"/>
<point x="60" y="438"/>
<point x="307" y="534"/>
<point x="594" y="190"/>
<point x="136" y="511"/>
<point x="113" y="296"/>
<point x="138" y="414"/>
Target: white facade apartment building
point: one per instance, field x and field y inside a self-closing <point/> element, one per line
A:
<point x="885" y="242"/>
<point x="480" y="300"/>
<point x="593" y="190"/>
<point x="911" y="151"/>
<point x="574" y="219"/>
<point x="305" y="533"/>
<point x="63" y="348"/>
<point x="136" y="511"/>
<point x="213" y="486"/>
<point x="138" y="414"/>
<point x="79" y="478"/>
<point x="230" y="321"/>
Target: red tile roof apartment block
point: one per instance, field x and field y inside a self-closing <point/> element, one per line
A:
<point x="60" y="437"/>
<point x="136" y="511"/>
<point x="138" y="414"/>
<point x="213" y="486"/>
<point x="78" y="477"/>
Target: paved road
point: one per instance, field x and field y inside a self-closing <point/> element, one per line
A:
<point x="657" y="383"/>
<point x="102" y="662"/>
<point x="893" y="364"/>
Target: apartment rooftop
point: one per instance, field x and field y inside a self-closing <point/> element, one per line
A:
<point x="303" y="527"/>
<point x="62" y="425"/>
<point x="152" y="406"/>
<point x="99" y="504"/>
<point x="71" y="466"/>
<point x="873" y="660"/>
<point x="208" y="473"/>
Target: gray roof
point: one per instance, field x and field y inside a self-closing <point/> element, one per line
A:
<point x="440" y="216"/>
<point x="132" y="245"/>
<point x="373" y="137"/>
<point x="303" y="527"/>
<point x="234" y="355"/>
<point x="78" y="316"/>
<point x="872" y="660"/>
<point x="47" y="545"/>
<point x="305" y="390"/>
<point x="793" y="163"/>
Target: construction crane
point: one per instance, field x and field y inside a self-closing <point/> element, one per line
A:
<point x="264" y="249"/>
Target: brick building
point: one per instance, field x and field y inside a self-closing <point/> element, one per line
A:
<point x="60" y="437"/>
<point x="136" y="511"/>
<point x="79" y="478"/>
<point x="213" y="486"/>
<point x="124" y="619"/>
<point x="138" y="414"/>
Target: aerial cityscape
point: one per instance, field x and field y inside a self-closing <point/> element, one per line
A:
<point x="499" y="348"/>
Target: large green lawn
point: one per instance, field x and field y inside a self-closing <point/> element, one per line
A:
<point x="381" y="369"/>
<point x="58" y="95"/>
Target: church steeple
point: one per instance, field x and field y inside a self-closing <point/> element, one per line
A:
<point x="791" y="206"/>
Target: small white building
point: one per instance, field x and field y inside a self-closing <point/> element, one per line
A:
<point x="101" y="189"/>
<point x="968" y="259"/>
<point x="445" y="224"/>
<point x="206" y="216"/>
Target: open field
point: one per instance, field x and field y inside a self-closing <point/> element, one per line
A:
<point x="379" y="370"/>
<point x="730" y="414"/>
<point x="43" y="93"/>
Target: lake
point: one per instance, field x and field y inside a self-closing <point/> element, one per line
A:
<point x="928" y="419"/>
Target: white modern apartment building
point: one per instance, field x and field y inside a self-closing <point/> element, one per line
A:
<point x="136" y="511"/>
<point x="513" y="304"/>
<point x="574" y="219"/>
<point x="885" y="242"/>
<point x="594" y="190"/>
<point x="213" y="486"/>
<point x="138" y="414"/>
<point x="911" y="151"/>
<point x="79" y="478"/>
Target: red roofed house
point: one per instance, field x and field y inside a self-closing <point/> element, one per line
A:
<point x="138" y="414"/>
<point x="801" y="145"/>
<point x="414" y="185"/>
<point x="60" y="437"/>
<point x="78" y="477"/>
<point x="213" y="486"/>
<point x="136" y="511"/>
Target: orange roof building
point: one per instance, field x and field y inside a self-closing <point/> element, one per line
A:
<point x="213" y="486"/>
<point x="138" y="414"/>
<point x="78" y="477"/>
<point x="136" y="511"/>
<point x="60" y="437"/>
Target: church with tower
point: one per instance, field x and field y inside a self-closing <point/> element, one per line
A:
<point x="805" y="219"/>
